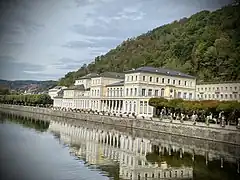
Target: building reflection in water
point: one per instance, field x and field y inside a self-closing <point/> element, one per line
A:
<point x="137" y="158"/>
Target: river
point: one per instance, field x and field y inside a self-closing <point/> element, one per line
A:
<point x="51" y="150"/>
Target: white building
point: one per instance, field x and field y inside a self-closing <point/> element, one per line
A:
<point x="227" y="91"/>
<point x="54" y="91"/>
<point x="127" y="93"/>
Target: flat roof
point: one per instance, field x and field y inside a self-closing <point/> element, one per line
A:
<point x="121" y="83"/>
<point x="162" y="71"/>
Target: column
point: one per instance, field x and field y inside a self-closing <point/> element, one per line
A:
<point x="115" y="106"/>
<point x="123" y="106"/>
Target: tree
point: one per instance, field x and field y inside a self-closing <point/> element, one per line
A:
<point x="206" y="45"/>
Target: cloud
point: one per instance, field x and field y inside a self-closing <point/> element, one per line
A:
<point x="98" y="42"/>
<point x="61" y="35"/>
<point x="11" y="68"/>
<point x="68" y="64"/>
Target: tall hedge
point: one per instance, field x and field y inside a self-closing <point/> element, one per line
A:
<point x="33" y="99"/>
<point x="206" y="105"/>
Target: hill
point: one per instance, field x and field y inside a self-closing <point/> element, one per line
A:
<point x="22" y="85"/>
<point x="206" y="45"/>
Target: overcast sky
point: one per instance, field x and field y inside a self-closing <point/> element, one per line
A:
<point x="45" y="39"/>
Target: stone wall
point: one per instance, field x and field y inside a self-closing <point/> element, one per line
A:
<point x="218" y="134"/>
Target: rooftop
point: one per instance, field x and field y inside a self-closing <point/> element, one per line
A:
<point x="162" y="71"/>
<point x="114" y="75"/>
<point x="88" y="76"/>
<point x="120" y="83"/>
<point x="76" y="87"/>
<point x="220" y="82"/>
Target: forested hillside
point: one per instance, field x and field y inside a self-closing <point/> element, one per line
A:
<point x="206" y="45"/>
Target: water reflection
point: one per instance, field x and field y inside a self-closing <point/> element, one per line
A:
<point x="26" y="122"/>
<point x="121" y="153"/>
<point x="139" y="158"/>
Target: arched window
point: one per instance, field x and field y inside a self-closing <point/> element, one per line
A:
<point x="162" y="92"/>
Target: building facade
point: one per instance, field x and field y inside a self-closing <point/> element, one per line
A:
<point x="127" y="92"/>
<point x="54" y="91"/>
<point x="227" y="91"/>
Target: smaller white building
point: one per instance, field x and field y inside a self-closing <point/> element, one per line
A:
<point x="224" y="91"/>
<point x="54" y="91"/>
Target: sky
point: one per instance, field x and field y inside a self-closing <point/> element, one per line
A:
<point x="45" y="39"/>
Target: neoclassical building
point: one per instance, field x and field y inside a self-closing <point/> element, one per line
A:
<point x="225" y="91"/>
<point x="127" y="92"/>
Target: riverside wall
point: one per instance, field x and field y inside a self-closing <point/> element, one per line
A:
<point x="201" y="131"/>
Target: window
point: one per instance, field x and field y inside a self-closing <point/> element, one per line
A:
<point x="184" y="95"/>
<point x="131" y="92"/>
<point x="221" y="88"/>
<point x="141" y="107"/>
<point x="179" y="94"/>
<point x="174" y="81"/>
<point x="230" y="96"/>
<point x="135" y="106"/>
<point x="121" y="92"/>
<point x="235" y="88"/>
<point x="135" y="91"/>
<point x="226" y="96"/>
<point x="162" y="80"/>
<point x="231" y="88"/>
<point x="221" y="96"/>
<point x="114" y="92"/>
<point x="145" y="107"/>
<point x="205" y="89"/>
<point x="143" y="92"/>
<point x="127" y="92"/>
<point x="98" y="92"/>
<point x="168" y="81"/>
<point x="162" y="92"/>
<point x="150" y="79"/>
<point x="226" y="88"/>
<point x="150" y="92"/>
<point x="205" y="96"/>
<point x="117" y="91"/>
<point x="209" y="89"/>
<point x="213" y="96"/>
<point x="156" y="92"/>
<point x="179" y="82"/>
<point x="136" y="78"/>
<point x="191" y="96"/>
<point x="209" y="96"/>
<point x="143" y="78"/>
<point x="185" y="83"/>
<point x="157" y="79"/>
<point x="235" y="96"/>
<point x="217" y="95"/>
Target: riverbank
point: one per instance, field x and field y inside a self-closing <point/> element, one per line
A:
<point x="213" y="132"/>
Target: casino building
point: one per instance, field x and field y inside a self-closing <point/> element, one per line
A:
<point x="128" y="92"/>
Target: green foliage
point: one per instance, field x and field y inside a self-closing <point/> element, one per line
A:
<point x="206" y="45"/>
<point x="4" y="91"/>
<point x="26" y="99"/>
<point x="189" y="106"/>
